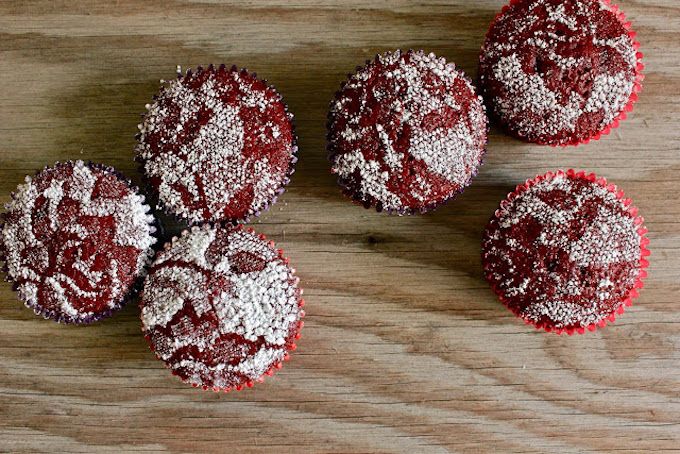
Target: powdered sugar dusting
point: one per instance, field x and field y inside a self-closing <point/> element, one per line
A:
<point x="76" y="238"/>
<point x="217" y="144"/>
<point x="564" y="253"/>
<point x="407" y="132"/>
<point x="558" y="72"/>
<point x="220" y="306"/>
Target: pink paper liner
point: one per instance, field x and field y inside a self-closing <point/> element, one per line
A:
<point x="637" y="85"/>
<point x="134" y="289"/>
<point x="297" y="334"/>
<point x="351" y="194"/>
<point x="151" y="189"/>
<point x="637" y="220"/>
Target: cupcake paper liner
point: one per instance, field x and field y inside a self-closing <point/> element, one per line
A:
<point x="637" y="220"/>
<point x="637" y="85"/>
<point x="151" y="190"/>
<point x="297" y="335"/>
<point x="352" y="195"/>
<point x="134" y="289"/>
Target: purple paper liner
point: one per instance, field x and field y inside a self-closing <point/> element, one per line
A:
<point x="358" y="198"/>
<point x="134" y="288"/>
<point x="153" y="193"/>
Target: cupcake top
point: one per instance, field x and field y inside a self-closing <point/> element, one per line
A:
<point x="560" y="72"/>
<point x="217" y="144"/>
<point x="221" y="307"/>
<point x="406" y="132"/>
<point x="565" y="251"/>
<point x="75" y="239"/>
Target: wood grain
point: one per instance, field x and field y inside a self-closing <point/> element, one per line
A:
<point x="405" y="348"/>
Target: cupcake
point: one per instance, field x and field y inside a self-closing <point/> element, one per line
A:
<point x="221" y="307"/>
<point x="566" y="252"/>
<point x="406" y="133"/>
<point x="560" y="72"/>
<point x="75" y="241"/>
<point x="217" y="145"/>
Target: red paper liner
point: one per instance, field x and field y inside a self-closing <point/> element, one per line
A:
<point x="637" y="220"/>
<point x="637" y="85"/>
<point x="289" y="347"/>
<point x="134" y="289"/>
<point x="353" y="195"/>
<point x="151" y="190"/>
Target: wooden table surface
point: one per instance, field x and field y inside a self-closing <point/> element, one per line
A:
<point x="405" y="348"/>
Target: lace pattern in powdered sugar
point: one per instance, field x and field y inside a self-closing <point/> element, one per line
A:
<point x="407" y="132"/>
<point x="220" y="306"/>
<point x="558" y="72"/>
<point x="76" y="238"/>
<point x="217" y="144"/>
<point x="564" y="252"/>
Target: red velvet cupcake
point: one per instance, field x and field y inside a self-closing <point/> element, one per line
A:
<point x="406" y="133"/>
<point x="217" y="145"/>
<point x="75" y="241"/>
<point x="560" y="72"/>
<point x="566" y="252"/>
<point x="221" y="307"/>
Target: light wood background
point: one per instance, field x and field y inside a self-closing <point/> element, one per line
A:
<point x="405" y="348"/>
